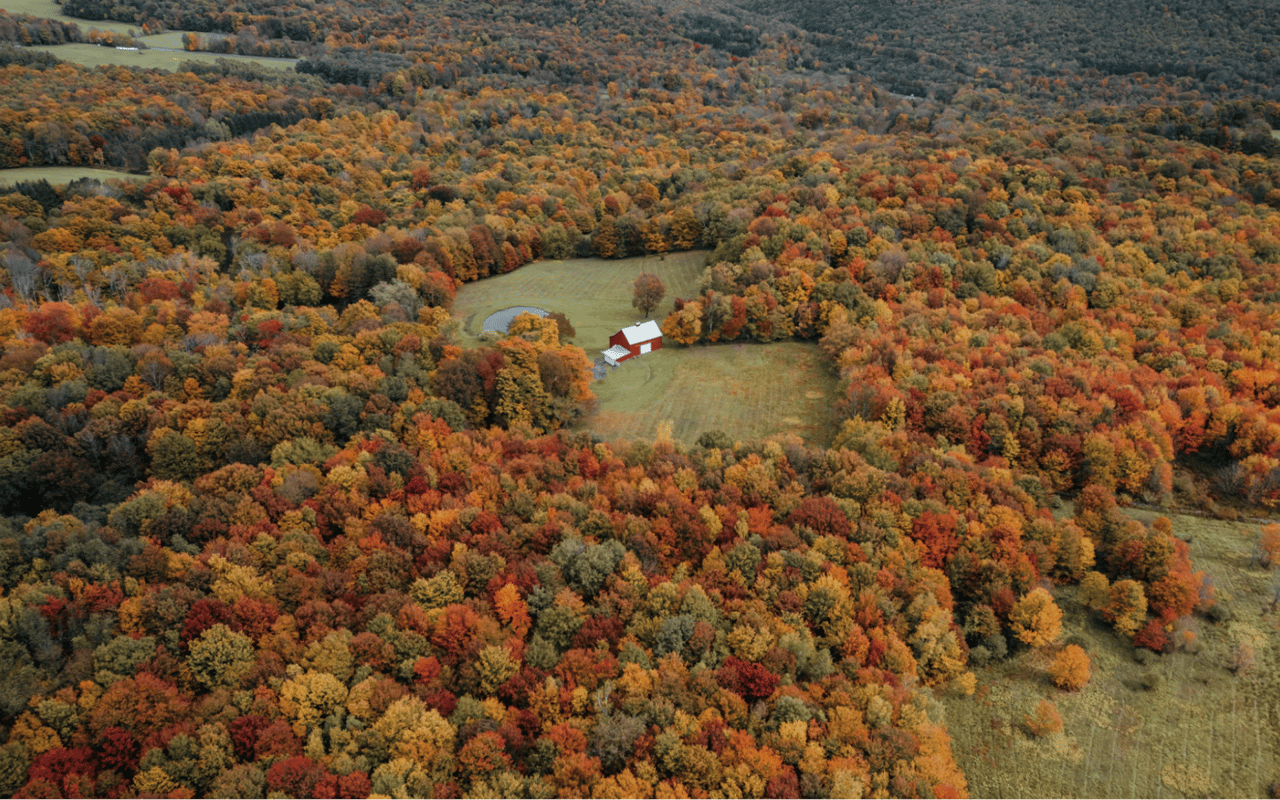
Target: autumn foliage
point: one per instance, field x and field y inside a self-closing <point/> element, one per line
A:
<point x="1070" y="669"/>
<point x="1036" y="620"/>
<point x="269" y="527"/>
<point x="1045" y="720"/>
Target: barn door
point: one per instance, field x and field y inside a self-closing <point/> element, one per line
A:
<point x="645" y="348"/>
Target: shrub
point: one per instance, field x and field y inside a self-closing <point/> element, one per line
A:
<point x="1044" y="721"/>
<point x="1070" y="670"/>
<point x="1152" y="636"/>
<point x="1268" y="551"/>
<point x="1241" y="660"/>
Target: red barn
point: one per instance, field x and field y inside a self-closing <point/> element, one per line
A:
<point x="641" y="338"/>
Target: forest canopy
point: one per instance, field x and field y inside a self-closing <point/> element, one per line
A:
<point x="270" y="527"/>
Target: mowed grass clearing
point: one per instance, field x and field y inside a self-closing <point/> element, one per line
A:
<point x="747" y="390"/>
<point x="48" y="9"/>
<point x="61" y="176"/>
<point x="595" y="294"/>
<point x="91" y="55"/>
<point x="1202" y="732"/>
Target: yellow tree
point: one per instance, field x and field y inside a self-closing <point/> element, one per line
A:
<point x="420" y="736"/>
<point x="308" y="697"/>
<point x="1036" y="620"/>
<point x="1095" y="590"/>
<point x="1126" y="607"/>
<point x="1070" y="669"/>
<point x="685" y="230"/>
<point x="531" y="327"/>
<point x="684" y="326"/>
<point x="220" y="657"/>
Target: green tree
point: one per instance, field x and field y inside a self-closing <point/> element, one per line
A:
<point x="495" y="666"/>
<point x="332" y="654"/>
<point x="240" y="781"/>
<point x="120" y="657"/>
<point x="174" y="456"/>
<point x="586" y="567"/>
<point x="14" y="762"/>
<point x="440" y="590"/>
<point x="221" y="657"/>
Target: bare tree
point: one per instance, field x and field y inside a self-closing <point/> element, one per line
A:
<point x="117" y="281"/>
<point x="82" y="267"/>
<point x="23" y="273"/>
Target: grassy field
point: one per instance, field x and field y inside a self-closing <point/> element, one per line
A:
<point x="51" y="10"/>
<point x="90" y="55"/>
<point x="1202" y="732"/>
<point x="60" y="176"/>
<point x="594" y="294"/>
<point x="749" y="391"/>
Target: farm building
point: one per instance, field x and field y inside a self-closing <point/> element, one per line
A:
<point x="641" y="338"/>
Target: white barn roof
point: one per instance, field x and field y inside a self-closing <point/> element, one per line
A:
<point x="616" y="352"/>
<point x="645" y="331"/>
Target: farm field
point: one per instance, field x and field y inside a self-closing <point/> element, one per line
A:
<point x="92" y="55"/>
<point x="595" y="294"/>
<point x="1201" y="732"/>
<point x="60" y="176"/>
<point x="749" y="391"/>
<point x="51" y="10"/>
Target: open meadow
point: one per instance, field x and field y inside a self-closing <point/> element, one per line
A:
<point x="594" y="293"/>
<point x="60" y="176"/>
<point x="165" y="49"/>
<point x="747" y="390"/>
<point x="1175" y="725"/>
<point x="48" y="9"/>
<point x="92" y="55"/>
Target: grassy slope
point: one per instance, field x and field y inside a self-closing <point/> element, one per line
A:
<point x="51" y="10"/>
<point x="92" y="55"/>
<point x="1202" y="732"/>
<point x="60" y="176"/>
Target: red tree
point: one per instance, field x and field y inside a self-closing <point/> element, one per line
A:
<point x="52" y="323"/>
